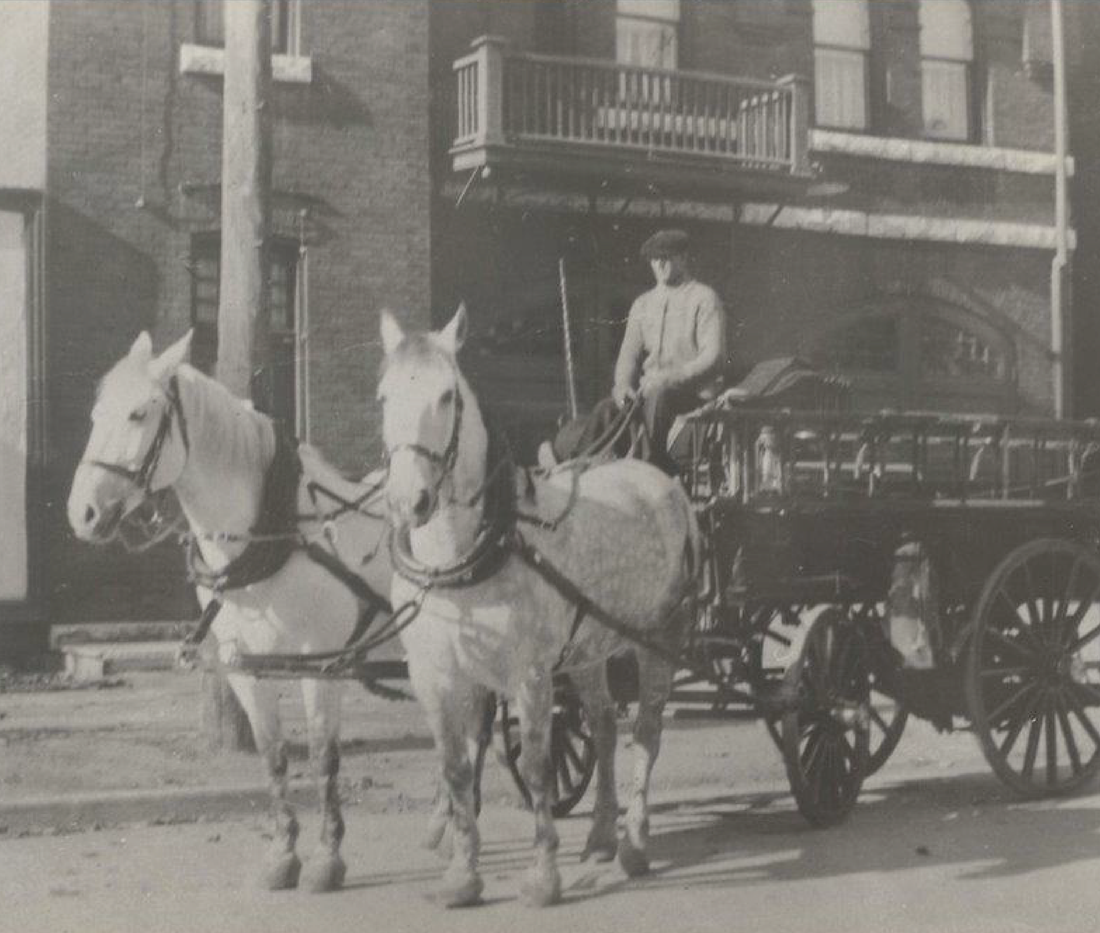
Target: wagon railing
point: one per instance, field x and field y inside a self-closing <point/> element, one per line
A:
<point x="746" y="454"/>
<point x="512" y="99"/>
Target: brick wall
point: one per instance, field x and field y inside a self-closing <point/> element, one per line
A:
<point x="352" y="149"/>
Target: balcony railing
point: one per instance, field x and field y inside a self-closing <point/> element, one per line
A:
<point x="513" y="102"/>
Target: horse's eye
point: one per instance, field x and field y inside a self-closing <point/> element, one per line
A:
<point x="137" y="416"/>
<point x="446" y="398"/>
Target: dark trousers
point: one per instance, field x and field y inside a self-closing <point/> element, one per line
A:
<point x="597" y="432"/>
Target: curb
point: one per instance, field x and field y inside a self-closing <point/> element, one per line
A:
<point x="161" y="806"/>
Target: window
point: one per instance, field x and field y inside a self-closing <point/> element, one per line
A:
<point x="842" y="41"/>
<point x="277" y="394"/>
<point x="645" y="33"/>
<point x="947" y="49"/>
<point x="210" y="24"/>
<point x="952" y="350"/>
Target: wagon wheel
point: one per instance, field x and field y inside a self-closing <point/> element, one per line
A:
<point x="770" y="654"/>
<point x="888" y="715"/>
<point x="825" y="737"/>
<point x="1034" y="667"/>
<point x="572" y="750"/>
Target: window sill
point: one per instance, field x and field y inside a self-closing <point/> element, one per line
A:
<point x="934" y="152"/>
<point x="210" y="60"/>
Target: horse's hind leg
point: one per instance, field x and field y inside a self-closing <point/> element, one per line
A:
<point x="591" y="684"/>
<point x="324" y="871"/>
<point x="655" y="683"/>
<point x="260" y="700"/>
<point x="534" y="703"/>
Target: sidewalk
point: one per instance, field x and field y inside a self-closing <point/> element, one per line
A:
<point x="132" y="749"/>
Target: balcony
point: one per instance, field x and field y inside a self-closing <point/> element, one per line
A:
<point x="675" y="132"/>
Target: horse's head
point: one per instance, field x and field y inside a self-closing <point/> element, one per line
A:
<point x="421" y="396"/>
<point x="138" y="442"/>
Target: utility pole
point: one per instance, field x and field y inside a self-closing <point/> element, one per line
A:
<point x="244" y="288"/>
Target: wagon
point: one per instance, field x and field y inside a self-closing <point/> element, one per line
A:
<point x="862" y="569"/>
<point x="867" y="568"/>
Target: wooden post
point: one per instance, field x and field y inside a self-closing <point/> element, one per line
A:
<point x="799" y="127"/>
<point x="244" y="292"/>
<point x="489" y="53"/>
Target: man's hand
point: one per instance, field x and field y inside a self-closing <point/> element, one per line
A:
<point x="654" y="382"/>
<point x="621" y="394"/>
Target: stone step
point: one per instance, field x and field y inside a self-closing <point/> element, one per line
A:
<point x="94" y="661"/>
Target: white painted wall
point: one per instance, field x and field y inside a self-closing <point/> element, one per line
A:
<point x="13" y="408"/>
<point x="23" y="32"/>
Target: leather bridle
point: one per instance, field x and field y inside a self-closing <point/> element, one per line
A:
<point x="142" y="475"/>
<point x="445" y="461"/>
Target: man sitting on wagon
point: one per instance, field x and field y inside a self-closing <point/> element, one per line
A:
<point x="672" y="353"/>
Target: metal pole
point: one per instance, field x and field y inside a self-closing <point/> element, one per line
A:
<point x="567" y="336"/>
<point x="1059" y="264"/>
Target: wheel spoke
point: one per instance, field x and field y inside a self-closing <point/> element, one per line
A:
<point x="1052" y="747"/>
<point x="1067" y="734"/>
<point x="1079" y="711"/>
<point x="1014" y="732"/>
<point x="812" y="751"/>
<point x="1033" y="612"/>
<point x="1032" y="748"/>
<point x="995" y="717"/>
<point x="1067" y="595"/>
<point x="1026" y="653"/>
<point x="877" y="717"/>
<point x="1083" y="640"/>
<point x="573" y="756"/>
<point x="565" y="778"/>
<point x="1082" y="609"/>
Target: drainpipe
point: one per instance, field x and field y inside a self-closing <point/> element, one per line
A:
<point x="1059" y="278"/>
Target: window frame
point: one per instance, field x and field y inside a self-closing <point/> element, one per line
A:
<point x="860" y="48"/>
<point x="969" y="98"/>
<point x="285" y="28"/>
<point x="672" y="22"/>
<point x="283" y="253"/>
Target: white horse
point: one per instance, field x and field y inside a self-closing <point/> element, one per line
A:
<point x="624" y="533"/>
<point x="158" y="422"/>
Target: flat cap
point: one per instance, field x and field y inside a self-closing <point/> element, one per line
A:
<point x="665" y="243"/>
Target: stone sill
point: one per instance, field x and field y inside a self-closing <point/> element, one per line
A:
<point x="928" y="152"/>
<point x="210" y="60"/>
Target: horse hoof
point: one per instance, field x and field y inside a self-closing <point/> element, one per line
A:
<point x="541" y="888"/>
<point x="462" y="890"/>
<point x="600" y="850"/>
<point x="281" y="872"/>
<point x="633" y="860"/>
<point x="324" y="872"/>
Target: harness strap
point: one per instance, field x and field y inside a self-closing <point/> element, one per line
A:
<point x="350" y="579"/>
<point x="198" y="634"/>
<point x="578" y="618"/>
<point x="587" y="607"/>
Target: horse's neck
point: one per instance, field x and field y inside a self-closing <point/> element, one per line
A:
<point x="451" y="532"/>
<point x="231" y="448"/>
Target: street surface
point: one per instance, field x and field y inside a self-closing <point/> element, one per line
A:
<point x="935" y="844"/>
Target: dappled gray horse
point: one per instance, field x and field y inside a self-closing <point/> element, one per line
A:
<point x="517" y="577"/>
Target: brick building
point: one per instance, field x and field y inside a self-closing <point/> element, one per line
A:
<point x="888" y="214"/>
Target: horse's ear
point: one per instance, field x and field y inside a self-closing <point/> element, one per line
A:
<point x="165" y="365"/>
<point x="142" y="348"/>
<point x="453" y="336"/>
<point x="392" y="334"/>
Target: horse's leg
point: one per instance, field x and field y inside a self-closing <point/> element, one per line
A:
<point x="454" y="712"/>
<point x="441" y="810"/>
<point x="260" y="700"/>
<point x="324" y="871"/>
<point x="655" y="683"/>
<point x="535" y="705"/>
<point x="591" y="684"/>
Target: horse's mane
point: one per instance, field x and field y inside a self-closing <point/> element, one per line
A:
<point x="236" y="426"/>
